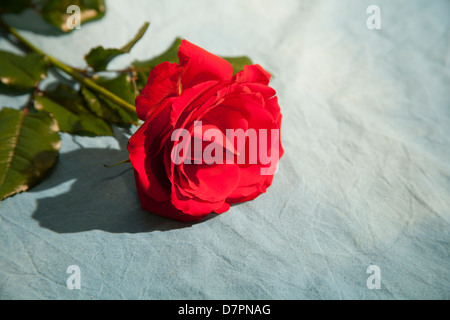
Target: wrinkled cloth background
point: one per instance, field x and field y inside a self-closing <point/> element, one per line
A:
<point x="365" y="179"/>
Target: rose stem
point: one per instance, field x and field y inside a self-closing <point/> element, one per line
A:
<point x="76" y="75"/>
<point x="116" y="164"/>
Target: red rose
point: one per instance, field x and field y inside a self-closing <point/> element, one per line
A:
<point x="210" y="139"/>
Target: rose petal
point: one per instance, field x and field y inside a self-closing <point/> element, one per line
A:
<point x="200" y="65"/>
<point x="149" y="170"/>
<point x="252" y="108"/>
<point x="214" y="182"/>
<point x="163" y="82"/>
<point x="193" y="206"/>
<point x="164" y="208"/>
<point x="189" y="100"/>
<point x="253" y="73"/>
<point x="242" y="194"/>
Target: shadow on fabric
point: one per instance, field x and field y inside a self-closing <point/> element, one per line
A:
<point x="81" y="195"/>
<point x="30" y="20"/>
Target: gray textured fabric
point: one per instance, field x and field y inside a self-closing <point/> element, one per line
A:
<point x="365" y="178"/>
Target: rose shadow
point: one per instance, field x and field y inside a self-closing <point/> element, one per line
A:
<point x="80" y="194"/>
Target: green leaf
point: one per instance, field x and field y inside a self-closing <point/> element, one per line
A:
<point x="67" y="97"/>
<point x="107" y="110"/>
<point x="67" y="121"/>
<point x="16" y="6"/>
<point x="143" y="68"/>
<point x="120" y="86"/>
<point x="29" y="145"/>
<point x="127" y="48"/>
<point x="92" y="125"/>
<point x="100" y="109"/>
<point x="19" y="74"/>
<point x="238" y="63"/>
<point x="54" y="11"/>
<point x="99" y="58"/>
<point x="66" y="107"/>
